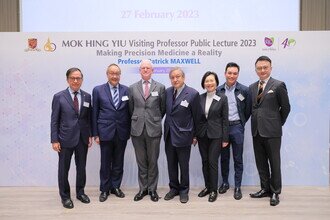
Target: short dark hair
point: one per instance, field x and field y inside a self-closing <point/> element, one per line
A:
<point x="263" y="58"/>
<point x="232" y="64"/>
<point x="71" y="70"/>
<point x="208" y="73"/>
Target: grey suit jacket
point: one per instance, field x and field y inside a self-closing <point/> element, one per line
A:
<point x="270" y="114"/>
<point x="147" y="112"/>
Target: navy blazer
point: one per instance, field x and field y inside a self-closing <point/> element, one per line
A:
<point x="106" y="118"/>
<point x="216" y="124"/>
<point x="67" y="127"/>
<point x="182" y="116"/>
<point x="243" y="100"/>
<point x="270" y="114"/>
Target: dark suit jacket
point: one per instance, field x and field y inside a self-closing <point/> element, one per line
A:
<point x="243" y="104"/>
<point x="67" y="127"/>
<point x="106" y="118"/>
<point x="216" y="124"/>
<point x="182" y="121"/>
<point x="270" y="114"/>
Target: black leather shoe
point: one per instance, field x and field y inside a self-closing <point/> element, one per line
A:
<point x="260" y="194"/>
<point x="171" y="194"/>
<point x="140" y="195"/>
<point x="118" y="192"/>
<point x="213" y="196"/>
<point x="154" y="196"/>
<point x="103" y="196"/>
<point x="204" y="192"/>
<point x="223" y="188"/>
<point x="274" y="200"/>
<point x="67" y="203"/>
<point x="184" y="198"/>
<point x="83" y="198"/>
<point x="237" y="193"/>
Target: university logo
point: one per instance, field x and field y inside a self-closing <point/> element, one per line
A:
<point x="32" y="45"/>
<point x="49" y="46"/>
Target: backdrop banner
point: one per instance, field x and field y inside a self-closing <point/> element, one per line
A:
<point x="33" y="67"/>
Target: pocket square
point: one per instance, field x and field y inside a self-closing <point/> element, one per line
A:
<point x="270" y="91"/>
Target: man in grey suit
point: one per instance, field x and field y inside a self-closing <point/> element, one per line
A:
<point x="270" y="109"/>
<point x="147" y="108"/>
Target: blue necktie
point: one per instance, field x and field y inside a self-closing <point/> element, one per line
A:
<point x="115" y="97"/>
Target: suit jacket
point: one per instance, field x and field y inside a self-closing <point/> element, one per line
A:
<point x="216" y="124"/>
<point x="107" y="120"/>
<point x="270" y="114"/>
<point x="182" y="116"/>
<point x="147" y="112"/>
<point x="243" y="100"/>
<point x="67" y="127"/>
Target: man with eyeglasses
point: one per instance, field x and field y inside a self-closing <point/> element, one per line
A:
<point x="147" y="107"/>
<point x="111" y="128"/>
<point x="71" y="133"/>
<point x="270" y="109"/>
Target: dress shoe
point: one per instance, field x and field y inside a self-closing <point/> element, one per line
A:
<point x="154" y="196"/>
<point x="83" y="198"/>
<point x="237" y="193"/>
<point x="204" y="192"/>
<point x="274" y="200"/>
<point x="67" y="203"/>
<point x="223" y="188"/>
<point x="213" y="196"/>
<point x="118" y="192"/>
<point x="184" y="198"/>
<point x="140" y="195"/>
<point x="260" y="194"/>
<point x="171" y="194"/>
<point x="103" y="196"/>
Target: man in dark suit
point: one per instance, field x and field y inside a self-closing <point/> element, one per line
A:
<point x="111" y="128"/>
<point x="71" y="133"/>
<point x="270" y="109"/>
<point x="239" y="102"/>
<point x="183" y="112"/>
<point x="147" y="107"/>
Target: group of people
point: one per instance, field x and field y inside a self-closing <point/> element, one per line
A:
<point x="215" y="120"/>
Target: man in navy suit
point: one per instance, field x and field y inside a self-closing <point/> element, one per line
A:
<point x="239" y="103"/>
<point x="71" y="133"/>
<point x="270" y="109"/>
<point x="183" y="112"/>
<point x="111" y="129"/>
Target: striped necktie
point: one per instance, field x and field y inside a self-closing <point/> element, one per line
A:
<point x="261" y="89"/>
<point x="115" y="97"/>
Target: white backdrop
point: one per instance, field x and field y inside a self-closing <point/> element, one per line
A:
<point x="29" y="78"/>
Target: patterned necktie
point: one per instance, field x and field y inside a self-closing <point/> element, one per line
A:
<point x="146" y="89"/>
<point x="261" y="89"/>
<point x="174" y="94"/>
<point x="115" y="97"/>
<point x="75" y="102"/>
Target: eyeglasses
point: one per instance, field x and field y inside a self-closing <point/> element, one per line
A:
<point x="260" y="68"/>
<point x="75" y="78"/>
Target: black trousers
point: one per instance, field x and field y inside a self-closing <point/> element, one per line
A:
<point x="178" y="157"/>
<point x="112" y="163"/>
<point x="210" y="151"/>
<point x="80" y="156"/>
<point x="268" y="161"/>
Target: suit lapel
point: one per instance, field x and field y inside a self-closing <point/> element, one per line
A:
<point x="140" y="89"/>
<point x="268" y="86"/>
<point x="68" y="97"/>
<point x="181" y="97"/>
<point x="203" y="101"/>
<point x="108" y="93"/>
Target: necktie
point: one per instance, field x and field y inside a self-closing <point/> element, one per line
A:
<point x="261" y="89"/>
<point x="174" y="94"/>
<point x="75" y="102"/>
<point x="146" y="89"/>
<point x="115" y="97"/>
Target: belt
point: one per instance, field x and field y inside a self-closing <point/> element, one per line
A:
<point x="234" y="122"/>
